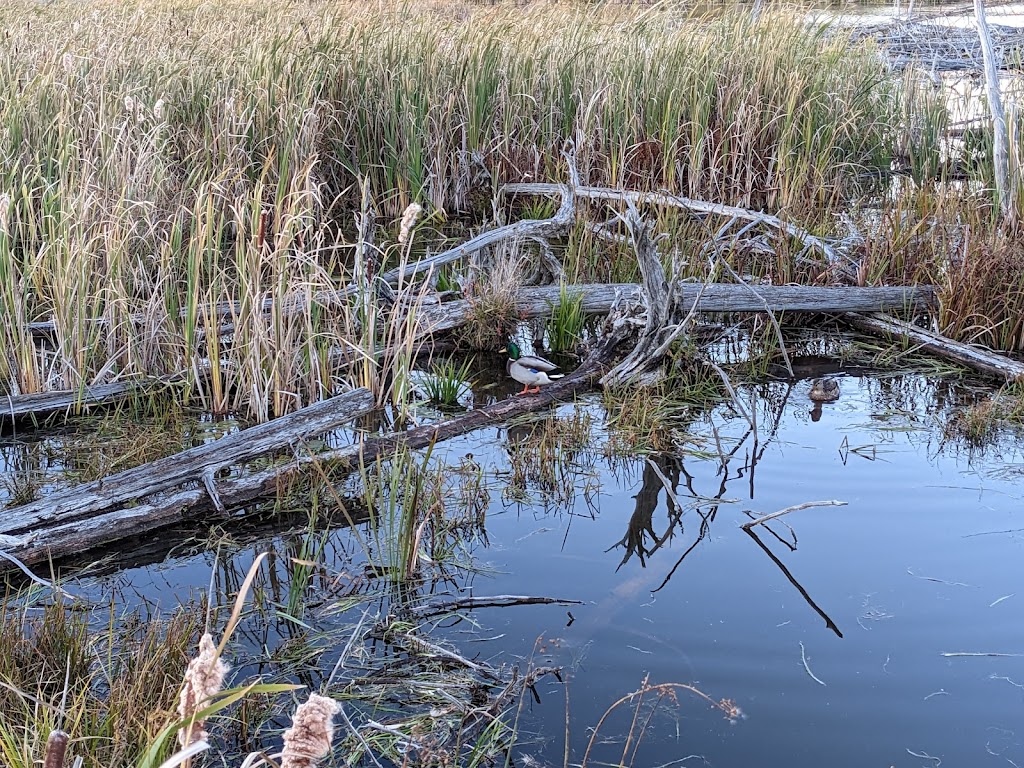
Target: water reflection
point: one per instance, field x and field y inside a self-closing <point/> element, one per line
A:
<point x="673" y="586"/>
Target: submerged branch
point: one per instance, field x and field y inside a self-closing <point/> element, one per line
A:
<point x="494" y="601"/>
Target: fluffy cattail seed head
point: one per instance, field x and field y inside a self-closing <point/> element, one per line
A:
<point x="412" y="213"/>
<point x="309" y="739"/>
<point x="203" y="679"/>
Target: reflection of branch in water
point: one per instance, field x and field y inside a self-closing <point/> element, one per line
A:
<point x="790" y="545"/>
<point x="723" y="471"/>
<point x="776" y="421"/>
<point x="792" y="580"/>
<point x="705" y="526"/>
<point x="660" y="468"/>
<point x="641" y="522"/>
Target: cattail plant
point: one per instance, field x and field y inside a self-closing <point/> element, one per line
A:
<point x="204" y="679"/>
<point x="309" y="739"/>
<point x="409" y="219"/>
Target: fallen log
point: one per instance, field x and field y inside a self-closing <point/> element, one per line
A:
<point x="49" y="530"/>
<point x="42" y="404"/>
<point x="977" y="358"/>
<point x="111" y="494"/>
<point x="598" y="299"/>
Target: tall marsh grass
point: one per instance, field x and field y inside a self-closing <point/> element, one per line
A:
<point x="109" y="687"/>
<point x="172" y="170"/>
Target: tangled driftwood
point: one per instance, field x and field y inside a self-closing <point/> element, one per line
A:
<point x="652" y="315"/>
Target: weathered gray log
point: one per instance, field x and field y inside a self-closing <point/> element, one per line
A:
<point x="112" y="493"/>
<point x="683" y="203"/>
<point x="664" y="317"/>
<point x="54" y="537"/>
<point x="977" y="358"/>
<point x="716" y="297"/>
<point x="16" y="407"/>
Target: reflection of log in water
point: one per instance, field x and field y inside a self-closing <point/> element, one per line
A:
<point x="186" y="540"/>
<point x="792" y="580"/>
<point x="641" y="522"/>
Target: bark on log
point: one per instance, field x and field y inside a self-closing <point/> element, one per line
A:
<point x="977" y="358"/>
<point x="17" y="407"/>
<point x="716" y="297"/>
<point x="56" y="536"/>
<point x="110" y="494"/>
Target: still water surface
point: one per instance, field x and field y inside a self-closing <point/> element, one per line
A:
<point x="919" y="563"/>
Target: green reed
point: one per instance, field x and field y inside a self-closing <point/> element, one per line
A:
<point x="565" y="326"/>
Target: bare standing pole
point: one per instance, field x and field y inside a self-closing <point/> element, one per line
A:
<point x="1000" y="158"/>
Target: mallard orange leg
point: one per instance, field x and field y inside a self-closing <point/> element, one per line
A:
<point x="535" y="391"/>
<point x="525" y="391"/>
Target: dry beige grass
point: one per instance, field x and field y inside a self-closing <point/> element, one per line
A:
<point x="172" y="169"/>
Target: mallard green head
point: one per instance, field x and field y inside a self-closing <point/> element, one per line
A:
<point x="513" y="350"/>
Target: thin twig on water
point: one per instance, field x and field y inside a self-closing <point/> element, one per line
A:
<point x="803" y="658"/>
<point x="794" y="508"/>
<point x="938" y="581"/>
<point x="926" y="756"/>
<point x="957" y="654"/>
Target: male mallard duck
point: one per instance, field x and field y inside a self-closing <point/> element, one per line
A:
<point x="529" y="370"/>
<point x="824" y="390"/>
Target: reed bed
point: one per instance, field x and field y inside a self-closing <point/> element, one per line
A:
<point x="110" y="684"/>
<point x="180" y="180"/>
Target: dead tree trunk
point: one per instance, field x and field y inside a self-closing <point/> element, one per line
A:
<point x="979" y="359"/>
<point x="1000" y="139"/>
<point x="642" y="366"/>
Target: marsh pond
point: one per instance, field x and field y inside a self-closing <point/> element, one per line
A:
<point x="882" y="632"/>
<point x="284" y="483"/>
